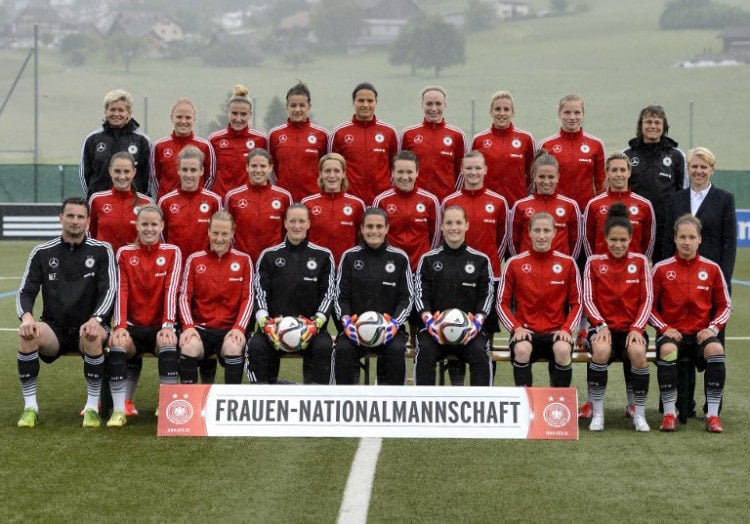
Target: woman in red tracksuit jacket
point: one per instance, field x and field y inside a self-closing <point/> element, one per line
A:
<point x="113" y="212"/>
<point x="539" y="304"/>
<point x="165" y="152"/>
<point x="232" y="143"/>
<point x="640" y="211"/>
<point x="691" y="306"/>
<point x="335" y="215"/>
<point x="439" y="145"/>
<point x="297" y="146"/>
<point x="413" y="212"/>
<point x="508" y="151"/>
<point x="545" y="172"/>
<point x="580" y="155"/>
<point x="258" y="206"/>
<point x="146" y="306"/>
<point x="216" y="302"/>
<point x="617" y="298"/>
<point x="367" y="144"/>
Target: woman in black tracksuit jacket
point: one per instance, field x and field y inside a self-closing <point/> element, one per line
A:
<point x="453" y="276"/>
<point x="373" y="276"/>
<point x="294" y="278"/>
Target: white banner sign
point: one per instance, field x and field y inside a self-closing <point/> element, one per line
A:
<point x="367" y="411"/>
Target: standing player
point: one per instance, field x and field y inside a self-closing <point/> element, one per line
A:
<point x="367" y="144"/>
<point x="188" y="209"/>
<point x="690" y="282"/>
<point x="453" y="276"/>
<point x="145" y="311"/>
<point x="617" y="298"/>
<point x="233" y="143"/>
<point x="297" y="146"/>
<point x="119" y="132"/>
<point x="165" y="153"/>
<point x="113" y="212"/>
<point x="580" y="155"/>
<point x="508" y="151"/>
<point x="335" y="215"/>
<point x="216" y="302"/>
<point x="439" y="145"/>
<point x="373" y="276"/>
<point x="640" y="212"/>
<point x="76" y="275"/>
<point x="258" y="206"/>
<point x="659" y="169"/>
<point x="294" y="278"/>
<point x="546" y="199"/>
<point x="539" y="304"/>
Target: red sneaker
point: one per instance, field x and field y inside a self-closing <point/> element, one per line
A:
<point x="629" y="411"/>
<point x="669" y="422"/>
<point x="130" y="410"/>
<point x="586" y="410"/>
<point x="713" y="425"/>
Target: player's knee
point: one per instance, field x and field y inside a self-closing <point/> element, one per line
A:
<point x="713" y="349"/>
<point x="600" y="352"/>
<point x="668" y="353"/>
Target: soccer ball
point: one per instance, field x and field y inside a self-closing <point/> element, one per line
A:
<point x="453" y="325"/>
<point x="290" y="331"/>
<point x="371" y="328"/>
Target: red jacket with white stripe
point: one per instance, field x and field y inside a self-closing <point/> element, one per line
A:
<point x="487" y="213"/>
<point x="641" y="215"/>
<point x="618" y="291"/>
<point x="540" y="292"/>
<point x="113" y="216"/>
<point x="508" y="154"/>
<point x="231" y="148"/>
<point x="440" y="148"/>
<point x="186" y="217"/>
<point x="581" y="159"/>
<point x="217" y="291"/>
<point x="413" y="218"/>
<point x="258" y="213"/>
<point x="689" y="295"/>
<point x="296" y="148"/>
<point x="165" y="155"/>
<point x="335" y="219"/>
<point x="567" y="217"/>
<point x="368" y="147"/>
<point x="147" y="285"/>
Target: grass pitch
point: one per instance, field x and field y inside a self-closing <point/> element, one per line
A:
<point x="58" y="472"/>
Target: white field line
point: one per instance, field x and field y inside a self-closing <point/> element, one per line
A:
<point x="356" y="500"/>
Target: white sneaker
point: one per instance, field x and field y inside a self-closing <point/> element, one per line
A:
<point x="640" y="424"/>
<point x="597" y="422"/>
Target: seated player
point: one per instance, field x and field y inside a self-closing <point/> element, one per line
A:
<point x="617" y="298"/>
<point x="294" y="278"/>
<point x="539" y="304"/>
<point x="453" y="276"/>
<point x="216" y="301"/>
<point x="373" y="276"/>
<point x="690" y="282"/>
<point x="146" y="307"/>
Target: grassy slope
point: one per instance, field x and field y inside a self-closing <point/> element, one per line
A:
<point x="614" y="55"/>
<point x="57" y="472"/>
